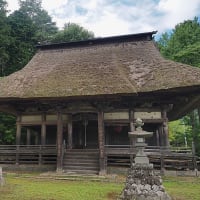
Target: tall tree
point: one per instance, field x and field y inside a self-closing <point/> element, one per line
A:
<point x="30" y="25"/>
<point x="40" y="17"/>
<point x="4" y="37"/>
<point x="22" y="46"/>
<point x="183" y="45"/>
<point x="72" y="32"/>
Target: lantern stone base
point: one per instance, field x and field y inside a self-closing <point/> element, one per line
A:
<point x="143" y="184"/>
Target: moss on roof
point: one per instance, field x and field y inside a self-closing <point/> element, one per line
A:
<point x="128" y="67"/>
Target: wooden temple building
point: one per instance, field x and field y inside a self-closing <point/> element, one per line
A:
<point x="76" y="102"/>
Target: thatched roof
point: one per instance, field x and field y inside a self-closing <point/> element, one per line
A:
<point x="117" y="65"/>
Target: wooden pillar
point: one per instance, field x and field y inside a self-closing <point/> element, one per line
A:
<point x="162" y="139"/>
<point x="28" y="136"/>
<point x="132" y="140"/>
<point x="43" y="130"/>
<point x="157" y="138"/>
<point x="101" y="138"/>
<point x="59" y="141"/>
<point x="69" y="133"/>
<point x="36" y="138"/>
<point x="18" y="131"/>
<point x="165" y="128"/>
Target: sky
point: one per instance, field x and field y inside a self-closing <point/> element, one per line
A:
<point x="119" y="17"/>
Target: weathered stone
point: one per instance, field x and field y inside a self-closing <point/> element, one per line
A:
<point x="1" y="177"/>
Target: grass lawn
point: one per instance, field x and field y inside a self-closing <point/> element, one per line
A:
<point x="183" y="188"/>
<point x="18" y="187"/>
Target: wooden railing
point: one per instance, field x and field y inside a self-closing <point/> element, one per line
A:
<point x="27" y="154"/>
<point x="161" y="157"/>
<point x="116" y="155"/>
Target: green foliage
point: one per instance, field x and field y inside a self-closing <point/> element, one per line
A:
<point x="72" y="32"/>
<point x="7" y="129"/>
<point x="180" y="133"/>
<point x="189" y="55"/>
<point x="40" y="18"/>
<point x="21" y="48"/>
<point x="183" y="45"/>
<point x="4" y="37"/>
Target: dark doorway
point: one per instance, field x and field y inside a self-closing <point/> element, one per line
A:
<point x="51" y="131"/>
<point x="117" y="134"/>
<point x="85" y="132"/>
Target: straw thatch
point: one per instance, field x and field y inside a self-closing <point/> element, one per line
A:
<point x="124" y="67"/>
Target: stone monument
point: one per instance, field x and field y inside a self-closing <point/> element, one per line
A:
<point x="141" y="182"/>
<point x="1" y="177"/>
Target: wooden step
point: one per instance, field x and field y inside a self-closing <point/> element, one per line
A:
<point x="81" y="161"/>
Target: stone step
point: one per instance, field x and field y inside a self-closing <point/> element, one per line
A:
<point x="79" y="171"/>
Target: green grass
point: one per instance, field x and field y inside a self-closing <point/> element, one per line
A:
<point x="183" y="188"/>
<point x="19" y="187"/>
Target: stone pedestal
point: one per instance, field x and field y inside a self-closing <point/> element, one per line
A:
<point x="143" y="184"/>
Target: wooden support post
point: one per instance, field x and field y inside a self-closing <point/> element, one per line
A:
<point x="162" y="164"/>
<point x="36" y="138"/>
<point x="132" y="128"/>
<point x="194" y="156"/>
<point x="165" y="128"/>
<point x="101" y="138"/>
<point x="18" y="131"/>
<point x="59" y="141"/>
<point x="17" y="155"/>
<point x="18" y="138"/>
<point x="28" y="136"/>
<point x="69" y="133"/>
<point x="43" y="130"/>
<point x="40" y="156"/>
<point x="162" y="139"/>
<point x="157" y="138"/>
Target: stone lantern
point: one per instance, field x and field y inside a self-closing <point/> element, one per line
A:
<point x="139" y="134"/>
<point x="142" y="183"/>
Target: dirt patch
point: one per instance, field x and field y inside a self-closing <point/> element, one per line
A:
<point x="112" y="195"/>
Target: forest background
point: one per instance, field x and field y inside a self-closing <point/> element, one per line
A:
<point x="31" y="25"/>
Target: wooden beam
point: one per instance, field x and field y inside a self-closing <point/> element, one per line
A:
<point x="183" y="109"/>
<point x="69" y="133"/>
<point x="59" y="141"/>
<point x="101" y="138"/>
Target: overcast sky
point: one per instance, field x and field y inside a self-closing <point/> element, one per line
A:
<point x="117" y="17"/>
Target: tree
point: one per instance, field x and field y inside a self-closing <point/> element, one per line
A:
<point x="183" y="45"/>
<point x="30" y="25"/>
<point x="183" y="42"/>
<point x="4" y="37"/>
<point x="40" y="18"/>
<point x="72" y="32"/>
<point x="22" y="46"/>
